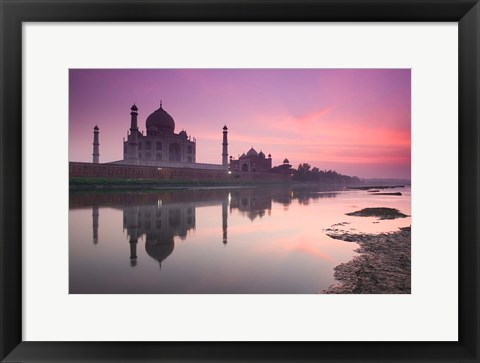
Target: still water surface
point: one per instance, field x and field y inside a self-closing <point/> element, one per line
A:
<point x="259" y="241"/>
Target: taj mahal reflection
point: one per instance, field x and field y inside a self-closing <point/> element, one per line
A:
<point x="233" y="239"/>
<point x="154" y="220"/>
<point x="159" y="224"/>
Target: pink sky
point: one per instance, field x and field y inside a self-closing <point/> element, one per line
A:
<point x="354" y="121"/>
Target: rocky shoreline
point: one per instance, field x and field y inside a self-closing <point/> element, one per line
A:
<point x="383" y="266"/>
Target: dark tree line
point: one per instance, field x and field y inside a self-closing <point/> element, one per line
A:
<point x="305" y="173"/>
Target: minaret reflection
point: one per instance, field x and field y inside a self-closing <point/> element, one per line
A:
<point x="225" y="219"/>
<point x="133" y="252"/>
<point x="130" y="223"/>
<point x="95" y="216"/>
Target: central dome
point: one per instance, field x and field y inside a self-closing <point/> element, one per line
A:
<point x="161" y="120"/>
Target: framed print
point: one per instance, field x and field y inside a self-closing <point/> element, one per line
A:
<point x="254" y="181"/>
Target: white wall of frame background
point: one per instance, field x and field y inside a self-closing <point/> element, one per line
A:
<point x="429" y="313"/>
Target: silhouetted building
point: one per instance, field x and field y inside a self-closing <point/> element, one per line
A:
<point x="161" y="143"/>
<point x="252" y="162"/>
<point x="161" y="146"/>
<point x="285" y="168"/>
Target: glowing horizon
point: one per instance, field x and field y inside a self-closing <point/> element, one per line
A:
<point x="354" y="121"/>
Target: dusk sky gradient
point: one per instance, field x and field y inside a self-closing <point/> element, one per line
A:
<point x="354" y="121"/>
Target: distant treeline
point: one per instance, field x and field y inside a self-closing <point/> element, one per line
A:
<point x="305" y="173"/>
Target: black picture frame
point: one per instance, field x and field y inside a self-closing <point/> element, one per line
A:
<point x="14" y="12"/>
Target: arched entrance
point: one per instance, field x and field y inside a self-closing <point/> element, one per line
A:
<point x="174" y="152"/>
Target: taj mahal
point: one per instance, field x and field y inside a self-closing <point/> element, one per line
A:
<point x="161" y="147"/>
<point x="161" y="143"/>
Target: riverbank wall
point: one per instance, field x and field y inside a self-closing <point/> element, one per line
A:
<point x="115" y="171"/>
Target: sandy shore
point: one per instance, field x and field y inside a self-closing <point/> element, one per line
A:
<point x="383" y="266"/>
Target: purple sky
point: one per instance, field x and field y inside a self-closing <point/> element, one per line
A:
<point x="356" y="121"/>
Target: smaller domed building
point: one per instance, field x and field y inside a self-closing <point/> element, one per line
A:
<point x="252" y="162"/>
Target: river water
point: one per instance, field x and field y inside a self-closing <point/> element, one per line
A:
<point x="217" y="241"/>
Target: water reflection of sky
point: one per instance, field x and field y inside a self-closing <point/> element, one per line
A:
<point x="216" y="241"/>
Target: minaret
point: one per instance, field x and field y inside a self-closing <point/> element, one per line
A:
<point x="132" y="147"/>
<point x="96" y="146"/>
<point x="225" y="147"/>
